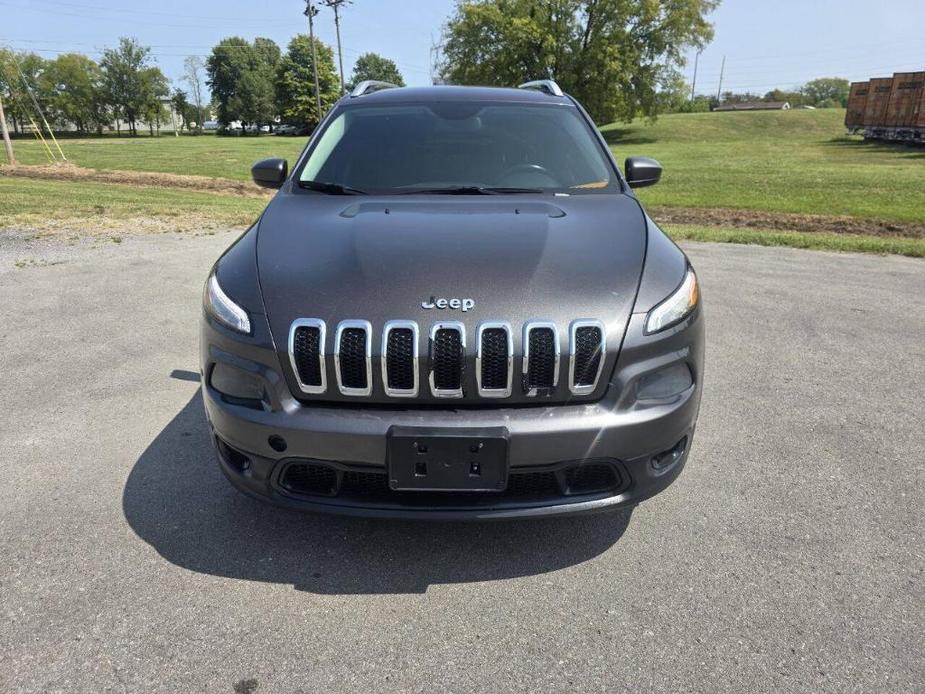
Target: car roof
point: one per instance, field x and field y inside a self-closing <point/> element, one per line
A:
<point x="455" y="93"/>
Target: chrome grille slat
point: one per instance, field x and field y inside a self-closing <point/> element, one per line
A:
<point x="395" y="365"/>
<point x="536" y="367"/>
<point x="494" y="362"/>
<point x="311" y="388"/>
<point x="587" y="349"/>
<point x="447" y="359"/>
<point x="348" y="330"/>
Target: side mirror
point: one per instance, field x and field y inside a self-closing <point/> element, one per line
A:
<point x="270" y="173"/>
<point x="642" y="172"/>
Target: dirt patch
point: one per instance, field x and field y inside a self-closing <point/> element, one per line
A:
<point x="150" y="179"/>
<point x="782" y="221"/>
<point x="105" y="227"/>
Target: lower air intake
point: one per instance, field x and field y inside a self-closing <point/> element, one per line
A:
<point x="308" y="479"/>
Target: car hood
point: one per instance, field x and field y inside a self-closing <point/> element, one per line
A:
<point x="518" y="258"/>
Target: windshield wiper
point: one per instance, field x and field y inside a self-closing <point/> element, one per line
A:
<point x="331" y="188"/>
<point x="470" y="190"/>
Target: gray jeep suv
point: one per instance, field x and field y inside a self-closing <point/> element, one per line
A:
<point x="454" y="307"/>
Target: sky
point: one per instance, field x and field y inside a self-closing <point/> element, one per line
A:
<point x="766" y="43"/>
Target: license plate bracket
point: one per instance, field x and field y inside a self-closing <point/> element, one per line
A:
<point x="430" y="459"/>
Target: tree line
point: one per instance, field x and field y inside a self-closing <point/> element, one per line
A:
<point x="825" y="92"/>
<point x="253" y="83"/>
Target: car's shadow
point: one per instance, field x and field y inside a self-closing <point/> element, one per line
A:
<point x="177" y="500"/>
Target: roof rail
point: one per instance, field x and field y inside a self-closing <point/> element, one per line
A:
<point x="548" y="86"/>
<point x="369" y="86"/>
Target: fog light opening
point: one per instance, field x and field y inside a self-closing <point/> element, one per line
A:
<point x="234" y="459"/>
<point x="277" y="443"/>
<point x="666" y="459"/>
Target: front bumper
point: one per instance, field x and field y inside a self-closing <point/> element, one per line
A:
<point x="645" y="443"/>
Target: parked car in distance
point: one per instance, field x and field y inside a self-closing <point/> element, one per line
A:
<point x="455" y="306"/>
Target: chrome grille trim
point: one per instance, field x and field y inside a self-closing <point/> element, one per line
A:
<point x="322" y="332"/>
<point x="529" y="327"/>
<point x="573" y="330"/>
<point x="461" y="329"/>
<point x="494" y="392"/>
<point x="368" y="329"/>
<point x="419" y="356"/>
<point x="415" y="359"/>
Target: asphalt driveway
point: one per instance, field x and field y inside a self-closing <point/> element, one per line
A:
<point x="787" y="557"/>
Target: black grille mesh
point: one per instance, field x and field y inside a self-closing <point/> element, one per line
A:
<point x="494" y="358"/>
<point x="308" y="478"/>
<point x="305" y="352"/>
<point x="541" y="365"/>
<point x="593" y="477"/>
<point x="447" y="359"/>
<point x="305" y="478"/>
<point x="353" y="358"/>
<point x="399" y="359"/>
<point x="587" y="355"/>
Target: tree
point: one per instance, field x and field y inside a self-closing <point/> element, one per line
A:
<point x="674" y="96"/>
<point x="833" y="89"/>
<point x="155" y="89"/>
<point x="193" y="72"/>
<point x="371" y="66"/>
<point x="73" y="84"/>
<point x="184" y="109"/>
<point x="295" y="86"/>
<point x="241" y="77"/>
<point x="611" y="54"/>
<point x="17" y="70"/>
<point x="124" y="81"/>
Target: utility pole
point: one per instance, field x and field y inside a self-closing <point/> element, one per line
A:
<point x="311" y="11"/>
<point x="719" y="91"/>
<point x="6" y="136"/>
<point x="335" y="5"/>
<point x="694" y="83"/>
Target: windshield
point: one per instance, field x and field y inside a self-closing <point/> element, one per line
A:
<point x="459" y="147"/>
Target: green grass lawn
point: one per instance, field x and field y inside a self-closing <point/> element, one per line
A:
<point x="780" y="161"/>
<point x="776" y="161"/>
<point x="851" y="243"/>
<point x="89" y="207"/>
<point x="785" y="161"/>
<point x="208" y="155"/>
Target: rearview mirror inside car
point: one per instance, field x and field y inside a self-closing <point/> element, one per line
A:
<point x="642" y="172"/>
<point x="270" y="173"/>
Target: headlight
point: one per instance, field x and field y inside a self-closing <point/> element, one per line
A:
<point x="676" y="307"/>
<point x="223" y="309"/>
